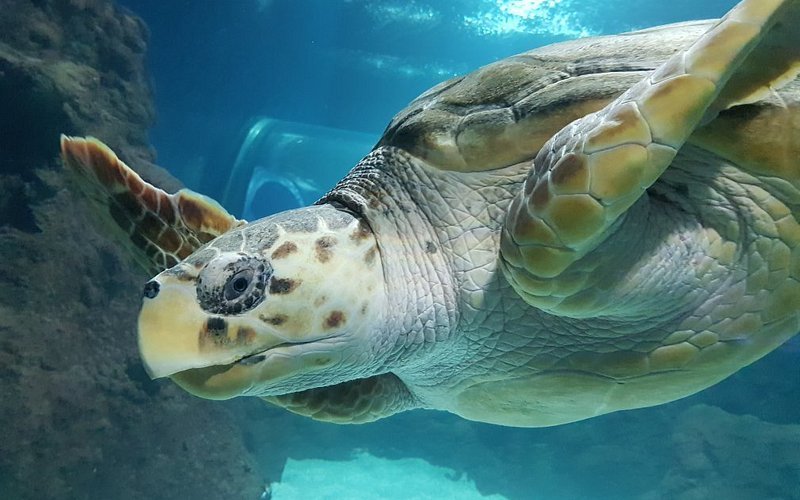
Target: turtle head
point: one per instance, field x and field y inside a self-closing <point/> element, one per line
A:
<point x="286" y="303"/>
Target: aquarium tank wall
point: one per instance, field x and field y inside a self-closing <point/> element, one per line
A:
<point x="264" y="105"/>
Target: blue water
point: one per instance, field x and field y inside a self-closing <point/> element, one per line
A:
<point x="326" y="70"/>
<point x="350" y="65"/>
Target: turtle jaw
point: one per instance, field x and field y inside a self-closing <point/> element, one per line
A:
<point x="250" y="375"/>
<point x="177" y="336"/>
<point x="310" y="312"/>
<point x="221" y="357"/>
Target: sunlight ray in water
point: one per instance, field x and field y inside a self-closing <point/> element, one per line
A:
<point x="505" y="17"/>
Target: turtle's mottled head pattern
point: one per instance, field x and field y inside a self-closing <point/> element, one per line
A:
<point x="289" y="302"/>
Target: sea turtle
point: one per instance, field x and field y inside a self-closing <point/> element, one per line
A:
<point x="592" y="226"/>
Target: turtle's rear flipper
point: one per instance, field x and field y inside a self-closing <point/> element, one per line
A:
<point x="157" y="228"/>
<point x="353" y="402"/>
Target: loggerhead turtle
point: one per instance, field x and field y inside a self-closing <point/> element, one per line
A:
<point x="597" y="225"/>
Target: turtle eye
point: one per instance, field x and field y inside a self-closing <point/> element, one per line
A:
<point x="238" y="284"/>
<point x="232" y="283"/>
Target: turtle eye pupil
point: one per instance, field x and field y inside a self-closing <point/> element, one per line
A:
<point x="231" y="284"/>
<point x="240" y="284"/>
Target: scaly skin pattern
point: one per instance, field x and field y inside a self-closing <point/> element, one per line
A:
<point x="498" y="260"/>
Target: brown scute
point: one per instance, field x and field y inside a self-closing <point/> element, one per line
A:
<point x="280" y="286"/>
<point x="286" y="248"/>
<point x="201" y="215"/>
<point x="567" y="168"/>
<point x="73" y="151"/>
<point x="205" y="237"/>
<point x="149" y="199"/>
<point x="170" y="240"/>
<point x="541" y="195"/>
<point x="361" y="233"/>
<point x="184" y="251"/>
<point x="323" y="247"/>
<point x="334" y="320"/>
<point x="191" y="212"/>
<point x="103" y="162"/>
<point x="275" y="320"/>
<point x="165" y="209"/>
<point x="135" y="183"/>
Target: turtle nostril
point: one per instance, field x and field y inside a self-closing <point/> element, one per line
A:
<point x="151" y="289"/>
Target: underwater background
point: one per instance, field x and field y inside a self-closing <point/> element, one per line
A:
<point x="263" y="105"/>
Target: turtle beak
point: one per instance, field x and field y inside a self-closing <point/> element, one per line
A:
<point x="169" y="323"/>
<point x="175" y="334"/>
<point x="215" y="357"/>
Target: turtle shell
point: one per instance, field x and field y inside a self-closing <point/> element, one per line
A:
<point x="503" y="113"/>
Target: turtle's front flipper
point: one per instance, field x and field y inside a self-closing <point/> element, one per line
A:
<point x="587" y="176"/>
<point x="158" y="229"/>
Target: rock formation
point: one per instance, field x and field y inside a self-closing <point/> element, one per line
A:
<point x="79" y="416"/>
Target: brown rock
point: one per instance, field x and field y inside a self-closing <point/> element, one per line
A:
<point x="716" y="454"/>
<point x="79" y="416"/>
